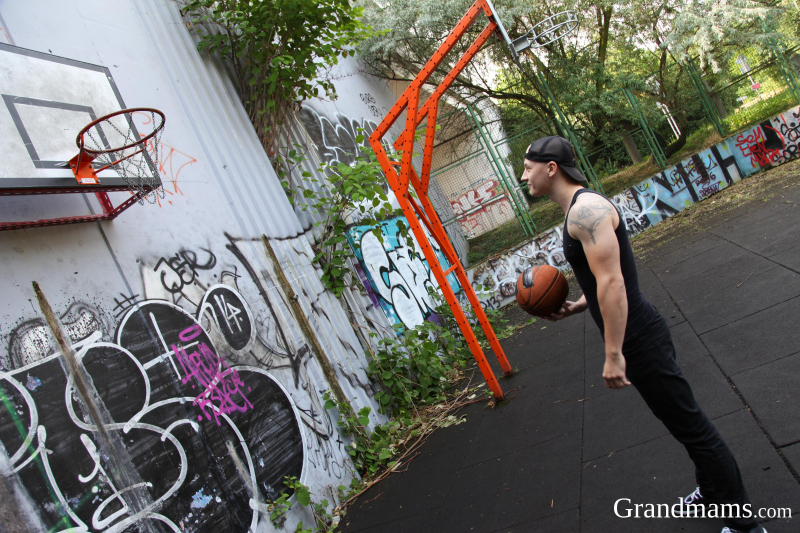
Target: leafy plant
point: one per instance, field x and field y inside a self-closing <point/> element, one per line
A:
<point x="416" y="370"/>
<point x="324" y="522"/>
<point x="281" y="506"/>
<point x="353" y="193"/>
<point x="278" y="52"/>
<point x="366" y="454"/>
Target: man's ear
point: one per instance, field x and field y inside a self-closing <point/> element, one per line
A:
<point x="552" y="168"/>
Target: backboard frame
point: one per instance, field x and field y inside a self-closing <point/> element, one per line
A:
<point x="411" y="190"/>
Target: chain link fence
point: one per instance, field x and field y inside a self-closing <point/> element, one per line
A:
<point x="645" y="126"/>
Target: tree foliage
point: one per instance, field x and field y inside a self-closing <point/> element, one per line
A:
<point x="278" y="52"/>
<point x="640" y="45"/>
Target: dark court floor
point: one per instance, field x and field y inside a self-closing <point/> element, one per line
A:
<point x="558" y="455"/>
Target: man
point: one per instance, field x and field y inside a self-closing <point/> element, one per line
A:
<point x="638" y="344"/>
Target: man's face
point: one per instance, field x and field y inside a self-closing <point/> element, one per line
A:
<point x="536" y="176"/>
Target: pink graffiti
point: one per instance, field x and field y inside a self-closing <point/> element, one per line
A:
<point x="487" y="218"/>
<point x="221" y="384"/>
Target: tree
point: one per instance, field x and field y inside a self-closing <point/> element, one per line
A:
<point x="639" y="45"/>
<point x="278" y="52"/>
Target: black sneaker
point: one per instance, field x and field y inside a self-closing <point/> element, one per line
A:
<point x="693" y="504"/>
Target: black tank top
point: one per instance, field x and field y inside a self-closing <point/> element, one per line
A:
<point x="641" y="313"/>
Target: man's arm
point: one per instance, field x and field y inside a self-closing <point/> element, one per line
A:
<point x="591" y="222"/>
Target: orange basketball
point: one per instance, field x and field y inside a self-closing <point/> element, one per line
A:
<point x="542" y="290"/>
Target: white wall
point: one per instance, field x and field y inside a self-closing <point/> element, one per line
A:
<point x="159" y="270"/>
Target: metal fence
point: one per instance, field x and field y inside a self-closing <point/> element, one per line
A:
<point x="648" y="124"/>
<point x="479" y="184"/>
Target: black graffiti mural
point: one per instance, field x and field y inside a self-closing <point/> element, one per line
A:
<point x="204" y="445"/>
<point x="336" y="139"/>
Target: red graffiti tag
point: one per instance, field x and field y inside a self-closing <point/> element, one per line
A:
<point x="475" y="197"/>
<point x="221" y="384"/>
<point x="753" y="146"/>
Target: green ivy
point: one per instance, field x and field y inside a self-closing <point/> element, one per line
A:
<point x="416" y="369"/>
<point x="323" y="520"/>
<point x="352" y="192"/>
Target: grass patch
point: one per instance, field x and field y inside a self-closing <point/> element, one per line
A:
<point x="758" y="111"/>
<point x="495" y="241"/>
<point x="545" y="215"/>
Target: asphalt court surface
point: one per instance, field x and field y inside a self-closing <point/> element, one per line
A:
<point x="558" y="455"/>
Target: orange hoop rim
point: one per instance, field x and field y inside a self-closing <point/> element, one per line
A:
<point x="79" y="139"/>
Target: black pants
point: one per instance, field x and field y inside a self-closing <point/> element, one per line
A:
<point x="653" y="370"/>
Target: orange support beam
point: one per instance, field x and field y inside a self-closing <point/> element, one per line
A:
<point x="424" y="211"/>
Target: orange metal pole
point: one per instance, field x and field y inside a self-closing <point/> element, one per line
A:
<point x="436" y="228"/>
<point x="452" y="75"/>
<point x="450" y="297"/>
<point x="400" y="182"/>
<point x="429" y="68"/>
<point x="466" y="286"/>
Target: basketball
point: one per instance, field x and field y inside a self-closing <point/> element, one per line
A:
<point x="542" y="290"/>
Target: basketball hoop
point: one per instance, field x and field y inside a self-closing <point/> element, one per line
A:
<point x="548" y="31"/>
<point x="114" y="143"/>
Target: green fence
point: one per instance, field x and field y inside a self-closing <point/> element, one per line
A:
<point x="647" y="124"/>
<point x="656" y="121"/>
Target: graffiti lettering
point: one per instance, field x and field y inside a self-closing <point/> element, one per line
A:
<point x="495" y="281"/>
<point x="709" y="190"/>
<point x="336" y="139"/>
<point x="124" y="303"/>
<point x="475" y="197"/>
<point x="207" y="433"/>
<point x="399" y="277"/>
<point x="487" y="218"/>
<point x="143" y="384"/>
<point x="218" y="382"/>
<point x="171" y="161"/>
<point x="181" y="269"/>
<point x="370" y="102"/>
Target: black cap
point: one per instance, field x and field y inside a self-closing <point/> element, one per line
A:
<point x="556" y="149"/>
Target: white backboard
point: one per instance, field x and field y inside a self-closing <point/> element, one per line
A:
<point x="46" y="101"/>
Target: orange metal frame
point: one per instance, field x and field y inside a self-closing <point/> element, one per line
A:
<point x="400" y="182"/>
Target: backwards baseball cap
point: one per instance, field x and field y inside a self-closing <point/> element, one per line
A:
<point x="556" y="149"/>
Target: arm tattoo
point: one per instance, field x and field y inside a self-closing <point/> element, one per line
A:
<point x="590" y="216"/>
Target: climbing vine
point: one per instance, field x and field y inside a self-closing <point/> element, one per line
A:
<point x="342" y="195"/>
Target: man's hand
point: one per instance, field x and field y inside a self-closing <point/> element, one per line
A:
<point x="614" y="371"/>
<point x="569" y="309"/>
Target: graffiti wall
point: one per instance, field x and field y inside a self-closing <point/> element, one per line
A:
<point x="205" y="394"/>
<point x="465" y="169"/>
<point x="190" y="389"/>
<point x="481" y="207"/>
<point x="768" y="144"/>
<point x="397" y="276"/>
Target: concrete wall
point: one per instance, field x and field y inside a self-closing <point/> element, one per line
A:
<point x="768" y="144"/>
<point x="150" y="300"/>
